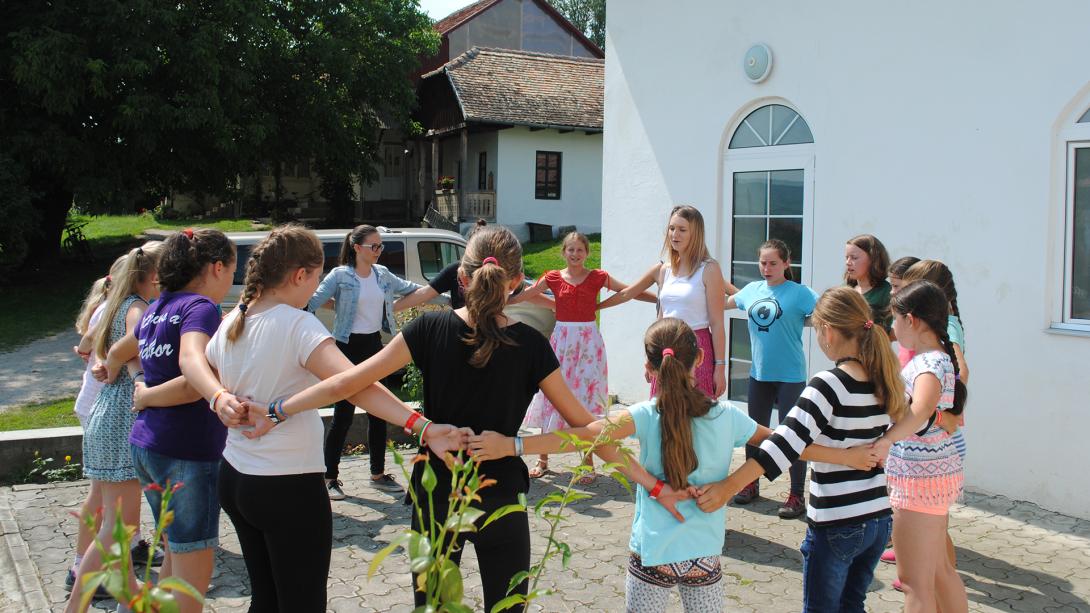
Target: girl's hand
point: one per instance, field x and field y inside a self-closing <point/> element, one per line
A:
<point x="83" y="356"/>
<point x="713" y="496"/>
<point x="948" y="422"/>
<point x="98" y="371"/>
<point x="864" y="457"/>
<point x="490" y="445"/>
<point x="669" y="497"/>
<point x="139" y="394"/>
<point x="881" y="449"/>
<point x="443" y="439"/>
<point x="234" y="411"/>
<point x="254" y="414"/>
<point x="720" y="379"/>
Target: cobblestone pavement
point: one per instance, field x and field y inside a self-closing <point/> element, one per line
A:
<point x="1012" y="556"/>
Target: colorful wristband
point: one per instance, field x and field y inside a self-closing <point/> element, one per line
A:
<point x="655" y="491"/>
<point x="412" y="420"/>
<point x="518" y="445"/>
<point x="280" y="409"/>
<point x="215" y="398"/>
<point x="423" y="430"/>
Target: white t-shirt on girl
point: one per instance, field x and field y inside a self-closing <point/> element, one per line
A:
<point x="266" y="363"/>
<point x="370" y="305"/>
<point x="91" y="386"/>
<point x="685" y="297"/>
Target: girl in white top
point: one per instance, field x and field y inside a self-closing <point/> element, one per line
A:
<point x="270" y="486"/>
<point x="690" y="289"/>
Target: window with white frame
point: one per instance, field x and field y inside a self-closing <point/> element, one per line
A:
<point x="1077" y="266"/>
<point x="768" y="175"/>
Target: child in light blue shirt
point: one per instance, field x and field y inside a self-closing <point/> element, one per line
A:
<point x="686" y="440"/>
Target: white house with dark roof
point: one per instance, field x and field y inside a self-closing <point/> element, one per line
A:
<point x="520" y="134"/>
<point x="958" y="131"/>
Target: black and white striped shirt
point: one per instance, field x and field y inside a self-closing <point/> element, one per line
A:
<point x="834" y="410"/>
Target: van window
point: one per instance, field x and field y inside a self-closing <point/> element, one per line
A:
<point x="393" y="256"/>
<point x="332" y="252"/>
<point x="437" y="255"/>
<point x="242" y="255"/>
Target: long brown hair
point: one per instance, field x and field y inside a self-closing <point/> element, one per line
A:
<point x="843" y="309"/>
<point x="679" y="401"/>
<point x="285" y="250"/>
<point x="939" y="274"/>
<point x="486" y="294"/>
<point x="186" y="253"/>
<point x="355" y="237"/>
<point x="697" y="251"/>
<point x="879" y="258"/>
<point x="927" y="302"/>
<point x="135" y="268"/>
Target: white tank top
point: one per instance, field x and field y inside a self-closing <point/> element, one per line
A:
<point x="684" y="297"/>
<point x="370" y="305"/>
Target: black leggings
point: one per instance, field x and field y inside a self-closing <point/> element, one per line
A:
<point x="503" y="548"/>
<point x="762" y="396"/>
<point x="285" y="528"/>
<point x="358" y="348"/>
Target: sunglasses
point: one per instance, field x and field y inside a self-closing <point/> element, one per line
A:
<point x="375" y="247"/>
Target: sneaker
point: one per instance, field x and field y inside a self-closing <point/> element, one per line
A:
<point x="889" y="557"/>
<point x="385" y="483"/>
<point x="140" y="554"/>
<point x="793" y="507"/>
<point x="70" y="582"/>
<point x="897" y="585"/>
<point x="335" y="491"/>
<point x="748" y="494"/>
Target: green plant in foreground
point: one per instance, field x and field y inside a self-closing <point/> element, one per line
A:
<point x="117" y="562"/>
<point x="430" y="552"/>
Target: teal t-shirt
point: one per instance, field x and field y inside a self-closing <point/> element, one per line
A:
<point x="657" y="537"/>
<point x="955" y="332"/>
<point x="776" y="317"/>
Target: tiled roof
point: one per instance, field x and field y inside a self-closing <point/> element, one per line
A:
<point x="462" y="15"/>
<point x="526" y="88"/>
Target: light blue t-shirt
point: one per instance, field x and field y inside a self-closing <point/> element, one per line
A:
<point x="955" y="332"/>
<point x="776" y="316"/>
<point x="657" y="537"/>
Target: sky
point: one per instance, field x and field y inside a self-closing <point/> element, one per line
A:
<point x="438" y="9"/>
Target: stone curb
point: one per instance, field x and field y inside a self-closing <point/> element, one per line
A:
<point x="18" y="554"/>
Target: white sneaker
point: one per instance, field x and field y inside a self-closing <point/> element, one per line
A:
<point x="333" y="486"/>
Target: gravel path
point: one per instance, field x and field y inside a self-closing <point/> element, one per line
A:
<point x="43" y="370"/>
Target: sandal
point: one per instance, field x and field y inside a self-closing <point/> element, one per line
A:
<point x="539" y="469"/>
<point x="587" y="479"/>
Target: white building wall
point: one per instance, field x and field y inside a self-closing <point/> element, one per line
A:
<point x="580" y="202"/>
<point x="935" y="128"/>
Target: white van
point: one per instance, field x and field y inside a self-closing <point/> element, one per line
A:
<point x="416" y="254"/>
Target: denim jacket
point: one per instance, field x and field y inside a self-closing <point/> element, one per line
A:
<point x="343" y="285"/>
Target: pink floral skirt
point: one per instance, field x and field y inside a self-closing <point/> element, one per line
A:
<point x="582" y="355"/>
<point x="705" y="373"/>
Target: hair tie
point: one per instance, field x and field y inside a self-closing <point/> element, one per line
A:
<point x="957" y="376"/>
<point x="490" y="260"/>
<point x="242" y="307"/>
<point x="139" y="251"/>
<point x="188" y="233"/>
<point x="869" y="324"/>
<point x="667" y="352"/>
<point x="109" y="279"/>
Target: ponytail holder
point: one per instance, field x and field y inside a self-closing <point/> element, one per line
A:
<point x="869" y="324"/>
<point x="242" y="307"/>
<point x="490" y="260"/>
<point x="667" y="352"/>
<point x="139" y="251"/>
<point x="188" y="233"/>
<point x="109" y="279"/>
<point x="957" y="376"/>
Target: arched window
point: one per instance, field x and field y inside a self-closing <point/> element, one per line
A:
<point x="770" y="126"/>
<point x="768" y="193"/>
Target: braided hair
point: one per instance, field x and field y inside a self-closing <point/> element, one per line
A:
<point x="285" y="250"/>
<point x="939" y="274"/>
<point x="926" y="301"/>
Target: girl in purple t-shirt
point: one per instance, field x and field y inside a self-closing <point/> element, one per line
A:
<point x="176" y="438"/>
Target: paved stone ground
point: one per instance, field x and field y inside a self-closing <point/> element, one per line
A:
<point x="43" y="370"/>
<point x="1013" y="556"/>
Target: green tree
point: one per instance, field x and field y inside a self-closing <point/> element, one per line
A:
<point x="589" y="16"/>
<point x="105" y="100"/>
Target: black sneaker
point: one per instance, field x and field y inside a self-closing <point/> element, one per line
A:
<point x="748" y="494"/>
<point x="385" y="483"/>
<point x="334" y="488"/>
<point x="793" y="507"/>
<point x="140" y="554"/>
<point x="70" y="582"/>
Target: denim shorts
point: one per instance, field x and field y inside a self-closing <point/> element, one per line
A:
<point x="196" y="504"/>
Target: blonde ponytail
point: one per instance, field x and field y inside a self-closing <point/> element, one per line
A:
<point x="132" y="269"/>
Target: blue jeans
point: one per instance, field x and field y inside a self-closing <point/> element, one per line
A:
<point x="838" y="564"/>
<point x="196" y="504"/>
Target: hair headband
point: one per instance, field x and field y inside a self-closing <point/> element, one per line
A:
<point x="188" y="233"/>
<point x="869" y="324"/>
<point x="490" y="260"/>
<point x="667" y="352"/>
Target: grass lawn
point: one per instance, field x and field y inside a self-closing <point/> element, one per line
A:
<point x="39" y="304"/>
<point x="540" y="257"/>
<point x="46" y="415"/>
